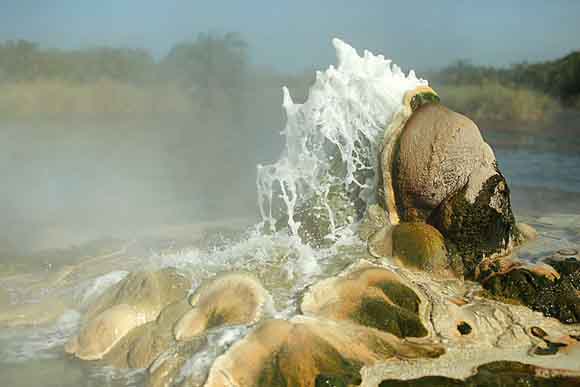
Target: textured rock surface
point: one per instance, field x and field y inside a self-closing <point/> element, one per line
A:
<point x="420" y="246"/>
<point x="480" y="228"/>
<point x="136" y="300"/>
<point x="143" y="344"/>
<point x="554" y="295"/>
<point x="438" y="151"/>
<point x="297" y="352"/>
<point x="412" y="101"/>
<point x="104" y="331"/>
<point x="497" y="374"/>
<point x="445" y="174"/>
<point x="416" y="246"/>
<point x="230" y="299"/>
<point x="166" y="370"/>
<point x="148" y="291"/>
<point x="373" y="297"/>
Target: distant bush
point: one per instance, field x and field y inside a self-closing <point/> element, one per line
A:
<point x="206" y="76"/>
<point x="559" y="78"/>
<point x="212" y="75"/>
<point x="494" y="101"/>
<point x="53" y="97"/>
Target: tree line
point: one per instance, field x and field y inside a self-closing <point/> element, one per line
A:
<point x="559" y="78"/>
<point x="213" y="69"/>
<point x="207" y="59"/>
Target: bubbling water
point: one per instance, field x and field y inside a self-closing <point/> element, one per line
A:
<point x="343" y="121"/>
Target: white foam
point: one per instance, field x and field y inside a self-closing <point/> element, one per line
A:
<point x="197" y="367"/>
<point x="111" y="376"/>
<point x="102" y="283"/>
<point x="346" y="113"/>
<point x="253" y="252"/>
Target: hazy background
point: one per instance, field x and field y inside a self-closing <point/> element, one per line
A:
<point x="120" y="117"/>
<point x="295" y="35"/>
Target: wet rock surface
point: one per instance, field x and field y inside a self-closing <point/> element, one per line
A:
<point x="166" y="371"/>
<point x="230" y="299"/>
<point x="299" y="351"/>
<point x="374" y="219"/>
<point x="497" y="374"/>
<point x="416" y="246"/>
<point x="554" y="297"/>
<point x="318" y="219"/>
<point x="445" y="174"/>
<point x="438" y="152"/>
<point x="373" y="297"/>
<point x="478" y="229"/>
<point x="148" y="291"/>
<point x="136" y="300"/>
<point x="421" y="246"/>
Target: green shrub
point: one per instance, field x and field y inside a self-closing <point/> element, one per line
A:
<point x="493" y="101"/>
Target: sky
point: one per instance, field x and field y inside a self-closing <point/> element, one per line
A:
<point x="296" y="35"/>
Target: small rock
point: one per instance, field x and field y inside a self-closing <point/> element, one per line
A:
<point x="420" y="246"/>
<point x="568" y="252"/>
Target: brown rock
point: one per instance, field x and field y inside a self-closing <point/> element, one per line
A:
<point x="230" y="299"/>
<point x="297" y="352"/>
<point x="439" y="150"/>
<point x="373" y="297"/>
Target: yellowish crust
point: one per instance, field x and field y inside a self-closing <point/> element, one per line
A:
<point x="393" y="131"/>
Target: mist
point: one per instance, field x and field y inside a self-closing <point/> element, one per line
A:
<point x="78" y="182"/>
<point x="158" y="117"/>
<point x="107" y="142"/>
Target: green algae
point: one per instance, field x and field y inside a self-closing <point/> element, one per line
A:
<point x="420" y="246"/>
<point x="421" y="99"/>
